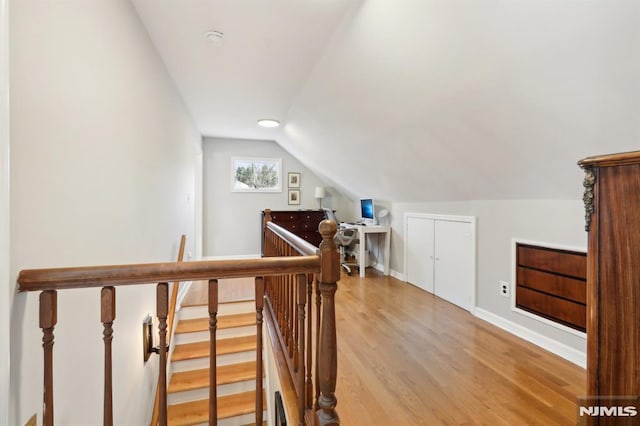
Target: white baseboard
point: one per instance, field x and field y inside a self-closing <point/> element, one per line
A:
<point x="398" y="275"/>
<point x="395" y="274"/>
<point x="182" y="292"/>
<point x="378" y="267"/>
<point x="570" y="354"/>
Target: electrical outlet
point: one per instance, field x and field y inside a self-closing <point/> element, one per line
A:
<point x="504" y="288"/>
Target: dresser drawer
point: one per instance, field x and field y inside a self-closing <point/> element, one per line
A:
<point x="303" y="223"/>
<point x="285" y="217"/>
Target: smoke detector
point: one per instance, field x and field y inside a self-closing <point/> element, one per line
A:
<point x="215" y="37"/>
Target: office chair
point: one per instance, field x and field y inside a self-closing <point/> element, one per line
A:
<point x="345" y="239"/>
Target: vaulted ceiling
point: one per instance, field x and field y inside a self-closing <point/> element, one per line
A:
<point x="414" y="100"/>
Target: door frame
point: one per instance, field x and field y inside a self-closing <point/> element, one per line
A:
<point x="6" y="295"/>
<point x="451" y="218"/>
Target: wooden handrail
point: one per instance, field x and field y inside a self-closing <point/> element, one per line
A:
<point x="151" y="273"/>
<point x="303" y="247"/>
<point x="299" y="259"/>
<point x="172" y="314"/>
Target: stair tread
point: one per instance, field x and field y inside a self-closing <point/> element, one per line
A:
<point x="195" y="412"/>
<point x="223" y="347"/>
<point x="197" y="379"/>
<point x="224" y="321"/>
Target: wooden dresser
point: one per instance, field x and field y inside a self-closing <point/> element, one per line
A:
<point x="303" y="223"/>
<point x="612" y="203"/>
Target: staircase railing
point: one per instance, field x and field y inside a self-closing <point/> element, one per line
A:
<point x="290" y="309"/>
<point x="49" y="281"/>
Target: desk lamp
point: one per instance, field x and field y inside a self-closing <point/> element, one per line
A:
<point x="320" y="194"/>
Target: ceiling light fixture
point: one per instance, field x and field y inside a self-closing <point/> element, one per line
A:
<point x="268" y="122"/>
<point x="215" y="37"/>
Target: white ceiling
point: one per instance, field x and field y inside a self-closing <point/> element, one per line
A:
<point x="414" y="100"/>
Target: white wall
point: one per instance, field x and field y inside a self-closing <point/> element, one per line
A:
<point x="559" y="222"/>
<point x="232" y="219"/>
<point x="5" y="289"/>
<point x="102" y="172"/>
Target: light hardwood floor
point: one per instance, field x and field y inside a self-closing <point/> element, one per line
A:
<point x="406" y="357"/>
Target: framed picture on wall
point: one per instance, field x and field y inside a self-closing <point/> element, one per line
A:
<point x="256" y="174"/>
<point x="294" y="180"/>
<point x="294" y="196"/>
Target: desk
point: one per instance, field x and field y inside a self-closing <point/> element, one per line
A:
<point x="362" y="235"/>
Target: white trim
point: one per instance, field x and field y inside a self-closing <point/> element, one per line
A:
<point x="450" y="218"/>
<point x="378" y="267"/>
<point x="183" y="289"/>
<point x="198" y="203"/>
<point x="554" y="324"/>
<point x="5" y="287"/>
<point x="570" y="354"/>
<point x="398" y="275"/>
<point x="512" y="286"/>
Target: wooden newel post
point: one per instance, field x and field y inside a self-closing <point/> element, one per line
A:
<point x="48" y="320"/>
<point x="327" y="350"/>
<point x="267" y="218"/>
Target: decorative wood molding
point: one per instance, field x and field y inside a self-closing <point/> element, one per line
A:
<point x="588" y="183"/>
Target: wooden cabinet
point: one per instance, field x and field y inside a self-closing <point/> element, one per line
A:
<point x="551" y="283"/>
<point x="303" y="223"/>
<point x="612" y="203"/>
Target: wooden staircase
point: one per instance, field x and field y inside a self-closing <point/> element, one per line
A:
<point x="188" y="390"/>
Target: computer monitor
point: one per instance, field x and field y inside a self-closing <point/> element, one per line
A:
<point x="367" y="212"/>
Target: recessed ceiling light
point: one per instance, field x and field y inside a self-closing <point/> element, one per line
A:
<point x="268" y="122"/>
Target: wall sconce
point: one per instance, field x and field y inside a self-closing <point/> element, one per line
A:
<point x="147" y="339"/>
<point x="320" y="194"/>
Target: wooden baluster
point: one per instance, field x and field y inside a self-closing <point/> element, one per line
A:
<point x="309" y="388"/>
<point x="107" y="316"/>
<point x="328" y="360"/>
<point x="48" y="320"/>
<point x="296" y="327"/>
<point x="301" y="278"/>
<point x="281" y="304"/>
<point x="213" y="325"/>
<point x="162" y="308"/>
<point x="318" y="314"/>
<point x="287" y="309"/>
<point x="259" y="293"/>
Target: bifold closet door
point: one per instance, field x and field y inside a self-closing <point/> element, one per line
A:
<point x="454" y="253"/>
<point x="420" y="252"/>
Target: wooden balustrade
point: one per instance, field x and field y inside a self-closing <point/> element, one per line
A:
<point x="284" y="279"/>
<point x="289" y="306"/>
